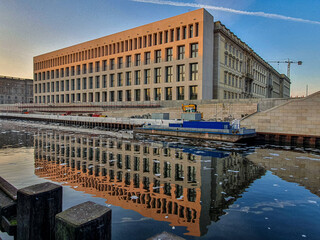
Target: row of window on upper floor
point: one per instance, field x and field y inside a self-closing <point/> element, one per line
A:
<point x="88" y="83"/>
<point x="174" y="34"/>
<point x="76" y="70"/>
<point x="233" y="50"/>
<point x="110" y="96"/>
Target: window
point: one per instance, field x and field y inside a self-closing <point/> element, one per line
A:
<point x="97" y="81"/>
<point x="157" y="94"/>
<point x="225" y="77"/>
<point x="104" y="96"/>
<point x="157" y="75"/>
<point x="226" y="59"/>
<point x="67" y="72"/>
<point x="197" y="30"/>
<point x="169" y="54"/>
<point x="52" y="86"/>
<point x="120" y="62"/>
<point x="120" y="79"/>
<point x="128" y="61"/>
<point x="120" y="96"/>
<point x="128" y="78"/>
<point x="57" y="73"/>
<point x="147" y="58"/>
<point x="181" y="52"/>
<point x="128" y="95"/>
<point x="111" y="96"/>
<point x="67" y="85"/>
<point x="138" y="59"/>
<point x="190" y="31"/>
<point x="90" y="82"/>
<point x="194" y="50"/>
<point x="184" y="32"/>
<point x="137" y="94"/>
<point x="104" y="65"/>
<point x="111" y="80"/>
<point x="90" y="97"/>
<point x="193" y="92"/>
<point x="180" y="93"/>
<point x="111" y="64"/>
<point x="168" y="92"/>
<point x="178" y="34"/>
<point x="193" y="71"/>
<point x="147" y="76"/>
<point x="52" y="74"/>
<point x="157" y="56"/>
<point x="90" y="67"/>
<point x="147" y="94"/>
<point x="181" y="73"/>
<point x="78" y="84"/>
<point x="97" y="66"/>
<point x="137" y="78"/>
<point x="169" y="74"/>
<point x="78" y="69"/>
<point x="171" y="35"/>
<point x="62" y="86"/>
<point x="61" y="71"/>
<point x="104" y="81"/>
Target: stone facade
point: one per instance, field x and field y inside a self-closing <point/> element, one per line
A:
<point x="178" y="58"/>
<point x="15" y="90"/>
<point x="299" y="117"/>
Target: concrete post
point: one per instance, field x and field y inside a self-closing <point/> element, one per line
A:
<point x="86" y="221"/>
<point x="37" y="206"/>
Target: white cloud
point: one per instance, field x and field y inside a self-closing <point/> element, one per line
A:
<point x="230" y="10"/>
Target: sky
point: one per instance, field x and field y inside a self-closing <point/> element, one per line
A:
<point x="277" y="30"/>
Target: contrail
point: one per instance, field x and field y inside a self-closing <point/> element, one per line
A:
<point x="230" y="10"/>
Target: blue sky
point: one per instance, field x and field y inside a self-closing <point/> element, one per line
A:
<point x="29" y="28"/>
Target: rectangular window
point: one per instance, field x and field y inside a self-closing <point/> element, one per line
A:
<point x="137" y="78"/>
<point x="52" y="86"/>
<point x="90" y="67"/>
<point x="67" y="85"/>
<point x="181" y="75"/>
<point x="97" y="81"/>
<point x="57" y="73"/>
<point x="169" y="54"/>
<point x="147" y="58"/>
<point x="194" y="50"/>
<point x="72" y="85"/>
<point x="147" y="76"/>
<point x="104" y="81"/>
<point x="111" y="64"/>
<point x="120" y="79"/>
<point x="169" y="74"/>
<point x="190" y="31"/>
<point x="111" y="96"/>
<point x="193" y="71"/>
<point x="97" y="66"/>
<point x="147" y="94"/>
<point x="128" y="61"/>
<point x="90" y="82"/>
<point x="61" y="71"/>
<point x="193" y="92"/>
<point x="180" y="93"/>
<point x="104" y="97"/>
<point x="178" y="34"/>
<point x="120" y="62"/>
<point x="137" y="59"/>
<point x="225" y="77"/>
<point x="168" y="93"/>
<point x="128" y="78"/>
<point x="78" y="70"/>
<point x="62" y="86"/>
<point x="181" y="52"/>
<point x="157" y="94"/>
<point x="84" y="97"/>
<point x="72" y="71"/>
<point x="137" y="95"/>
<point x="120" y="96"/>
<point x="157" y="56"/>
<point x="104" y="65"/>
<point x="78" y="84"/>
<point x="157" y="75"/>
<point x="67" y="72"/>
<point x="111" y="80"/>
<point x="128" y="95"/>
<point x="52" y="74"/>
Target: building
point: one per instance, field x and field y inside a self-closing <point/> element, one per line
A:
<point x="186" y="57"/>
<point x="15" y="90"/>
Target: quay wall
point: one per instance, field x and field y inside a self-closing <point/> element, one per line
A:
<point x="217" y="110"/>
<point x="300" y="117"/>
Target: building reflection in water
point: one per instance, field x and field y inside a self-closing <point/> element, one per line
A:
<point x="181" y="185"/>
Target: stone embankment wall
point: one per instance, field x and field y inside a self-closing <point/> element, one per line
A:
<point x="296" y="117"/>
<point x="212" y="109"/>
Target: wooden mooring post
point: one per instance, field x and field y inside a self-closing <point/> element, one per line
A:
<point x="35" y="213"/>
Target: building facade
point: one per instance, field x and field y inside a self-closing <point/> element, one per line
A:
<point x="172" y="59"/>
<point x="15" y="90"/>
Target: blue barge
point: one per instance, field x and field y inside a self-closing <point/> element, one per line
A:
<point x="217" y="131"/>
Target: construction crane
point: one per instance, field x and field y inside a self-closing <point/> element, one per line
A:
<point x="289" y="64"/>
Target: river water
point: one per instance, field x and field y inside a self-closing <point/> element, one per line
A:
<point x="192" y="189"/>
